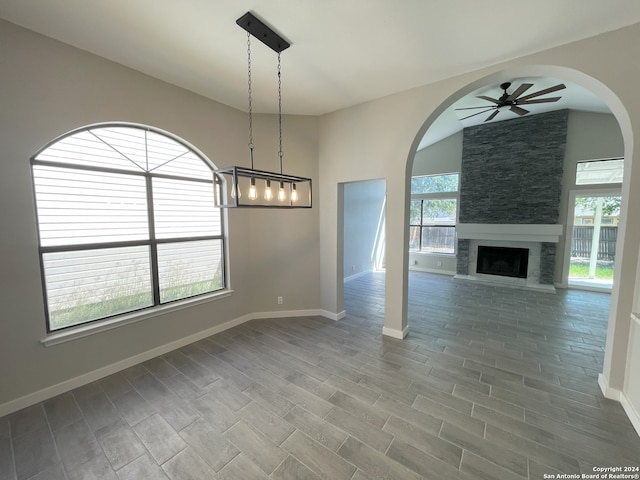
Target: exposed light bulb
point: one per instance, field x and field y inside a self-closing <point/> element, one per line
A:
<point x="282" y="196"/>
<point x="268" y="193"/>
<point x="253" y="192"/>
<point x="294" y="194"/>
<point x="235" y="193"/>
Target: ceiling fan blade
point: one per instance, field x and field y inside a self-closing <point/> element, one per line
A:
<point x="518" y="110"/>
<point x="472" y="108"/>
<point x="539" y="100"/>
<point x="519" y="91"/>
<point x="555" y="88"/>
<point x="492" y="116"/>
<point x="478" y="113"/>
<point x="484" y="97"/>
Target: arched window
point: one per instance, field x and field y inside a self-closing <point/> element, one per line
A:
<point x="126" y="221"/>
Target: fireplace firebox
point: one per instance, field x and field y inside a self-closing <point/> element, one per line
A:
<point x="504" y="261"/>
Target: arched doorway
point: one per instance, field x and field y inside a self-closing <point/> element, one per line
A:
<point x="612" y="379"/>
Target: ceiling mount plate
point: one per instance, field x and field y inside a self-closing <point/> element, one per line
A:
<point x="262" y="32"/>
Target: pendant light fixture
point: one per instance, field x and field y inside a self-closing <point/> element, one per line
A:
<point x="247" y="187"/>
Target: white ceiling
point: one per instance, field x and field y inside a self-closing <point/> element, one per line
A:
<point x="452" y="120"/>
<point x="343" y="52"/>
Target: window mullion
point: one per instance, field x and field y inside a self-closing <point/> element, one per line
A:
<point x="153" y="244"/>
<point x="421" y="221"/>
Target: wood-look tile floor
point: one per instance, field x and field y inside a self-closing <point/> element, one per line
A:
<point x="491" y="383"/>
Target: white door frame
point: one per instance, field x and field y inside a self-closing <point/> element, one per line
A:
<point x="607" y="190"/>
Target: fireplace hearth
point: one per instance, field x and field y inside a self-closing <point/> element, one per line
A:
<point x="503" y="261"/>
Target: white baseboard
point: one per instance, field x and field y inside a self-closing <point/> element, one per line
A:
<point x="334" y="316"/>
<point x="300" y="313"/>
<point x="67" y="385"/>
<point x="286" y="314"/>
<point x="356" y="275"/>
<point x="619" y="396"/>
<point x="589" y="288"/>
<point x="392" y="332"/>
<point x="432" y="270"/>
<point x="632" y="413"/>
<point x="607" y="391"/>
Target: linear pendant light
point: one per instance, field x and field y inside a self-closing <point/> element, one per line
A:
<point x="239" y="186"/>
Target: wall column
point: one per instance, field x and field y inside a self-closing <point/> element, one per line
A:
<point x="397" y="260"/>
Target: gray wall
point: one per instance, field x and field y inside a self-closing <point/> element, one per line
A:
<point x="48" y="89"/>
<point x="441" y="157"/>
<point x="363" y="225"/>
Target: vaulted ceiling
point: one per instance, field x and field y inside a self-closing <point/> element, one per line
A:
<point x="343" y="52"/>
<point x="472" y="110"/>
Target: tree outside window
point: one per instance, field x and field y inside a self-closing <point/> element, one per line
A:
<point x="433" y="213"/>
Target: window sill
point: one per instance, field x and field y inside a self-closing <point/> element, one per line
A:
<point x="80" y="331"/>
<point x="432" y="254"/>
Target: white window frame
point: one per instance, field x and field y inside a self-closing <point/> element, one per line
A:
<point x="452" y="195"/>
<point x="57" y="335"/>
<point x="596" y="162"/>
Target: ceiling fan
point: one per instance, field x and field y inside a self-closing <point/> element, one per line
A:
<point x="513" y="101"/>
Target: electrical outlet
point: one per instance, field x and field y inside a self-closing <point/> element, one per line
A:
<point x="439" y="263"/>
<point x="353" y="268"/>
<point x="280" y="301"/>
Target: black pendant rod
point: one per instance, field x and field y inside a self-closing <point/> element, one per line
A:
<point x="262" y="32"/>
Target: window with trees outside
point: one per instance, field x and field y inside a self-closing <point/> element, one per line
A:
<point x="126" y="221"/>
<point x="434" y="204"/>
<point x="596" y="213"/>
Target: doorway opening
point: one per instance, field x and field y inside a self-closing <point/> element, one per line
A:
<point x="593" y="240"/>
<point x="363" y="246"/>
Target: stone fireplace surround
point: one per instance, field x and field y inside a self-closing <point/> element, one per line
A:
<point x="536" y="238"/>
<point x="510" y="187"/>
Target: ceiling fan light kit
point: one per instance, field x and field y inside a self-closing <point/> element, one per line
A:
<point x="239" y="186"/>
<point x="513" y="101"/>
